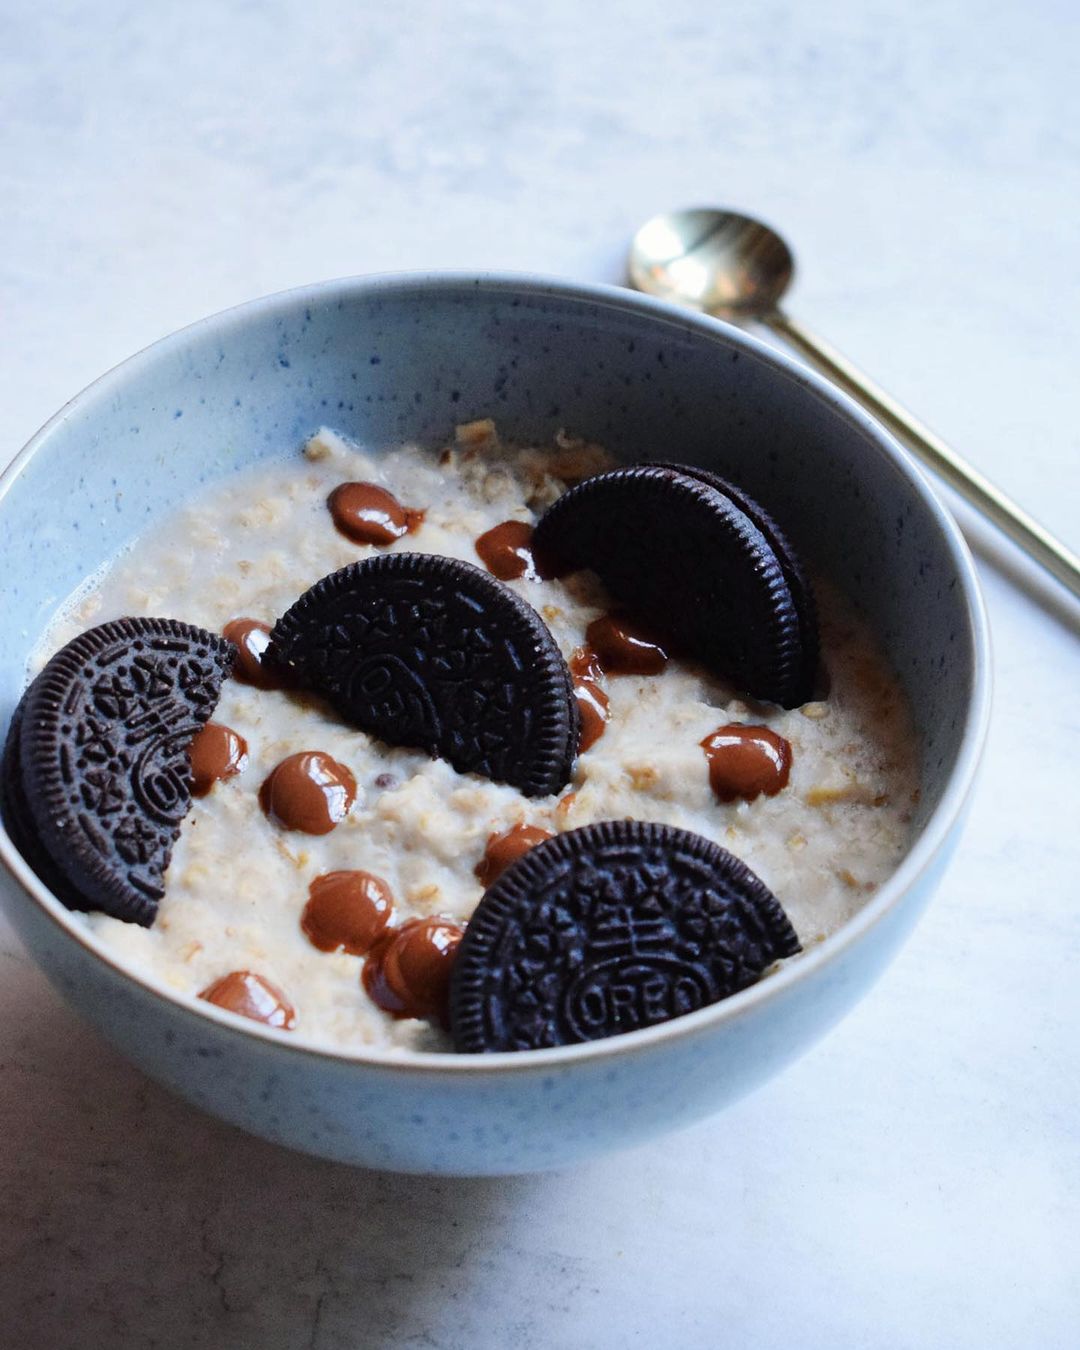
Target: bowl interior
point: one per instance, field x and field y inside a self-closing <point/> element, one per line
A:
<point x="388" y="360"/>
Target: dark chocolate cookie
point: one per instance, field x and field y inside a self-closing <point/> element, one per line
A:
<point x="791" y="564"/>
<point x="607" y="929"/>
<point x="96" y="776"/>
<point x="430" y="652"/>
<point x="684" y="557"/>
<point x="16" y="816"/>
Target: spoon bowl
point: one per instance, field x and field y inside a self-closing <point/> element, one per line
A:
<point x="719" y="262"/>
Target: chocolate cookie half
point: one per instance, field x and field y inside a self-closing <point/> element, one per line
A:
<point x="711" y="573"/>
<point x="795" y="574"/>
<point x="96" y="775"/>
<point x="431" y="652"/>
<point x="607" y="929"/>
<point x="16" y="816"/>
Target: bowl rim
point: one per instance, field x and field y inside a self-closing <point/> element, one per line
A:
<point x="919" y="860"/>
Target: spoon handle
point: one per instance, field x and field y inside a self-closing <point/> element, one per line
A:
<point x="1036" y="541"/>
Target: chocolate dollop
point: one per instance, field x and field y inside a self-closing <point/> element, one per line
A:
<point x="252" y="637"/>
<point x="347" y="911"/>
<point x="506" y="550"/>
<point x="592" y="700"/>
<point x="624" y="648"/>
<point x="367" y="514"/>
<point x="746" y="761"/>
<point x="503" y="849"/>
<point x="216" y="752"/>
<point x="585" y="665"/>
<point x="407" y="972"/>
<point x="593" y="711"/>
<point x="250" y="995"/>
<point x="308" y="791"/>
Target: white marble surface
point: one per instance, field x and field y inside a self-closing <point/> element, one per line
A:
<point x="915" y="1181"/>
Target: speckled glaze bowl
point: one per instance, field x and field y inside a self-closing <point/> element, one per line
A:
<point x="389" y="359"/>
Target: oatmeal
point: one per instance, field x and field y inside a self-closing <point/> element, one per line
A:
<point x="816" y="800"/>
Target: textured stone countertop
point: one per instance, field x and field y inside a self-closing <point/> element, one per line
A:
<point x="915" y="1180"/>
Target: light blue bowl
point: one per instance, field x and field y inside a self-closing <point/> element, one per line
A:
<point x="389" y="359"/>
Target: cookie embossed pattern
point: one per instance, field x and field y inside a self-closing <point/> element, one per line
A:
<point x="433" y="653"/>
<point x="97" y="778"/>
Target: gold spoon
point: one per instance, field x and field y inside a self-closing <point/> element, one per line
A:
<point x="737" y="268"/>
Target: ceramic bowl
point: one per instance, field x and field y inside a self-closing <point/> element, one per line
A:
<point x="392" y="359"/>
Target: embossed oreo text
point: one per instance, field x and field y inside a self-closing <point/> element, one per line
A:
<point x="624" y="996"/>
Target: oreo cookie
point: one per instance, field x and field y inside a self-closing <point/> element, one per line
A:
<point x="96" y="778"/>
<point x="704" y="565"/>
<point x="433" y="653"/>
<point x="16" y="816"/>
<point x="795" y="574"/>
<point x="609" y="929"/>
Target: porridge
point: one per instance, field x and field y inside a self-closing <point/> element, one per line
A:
<point x="818" y="805"/>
